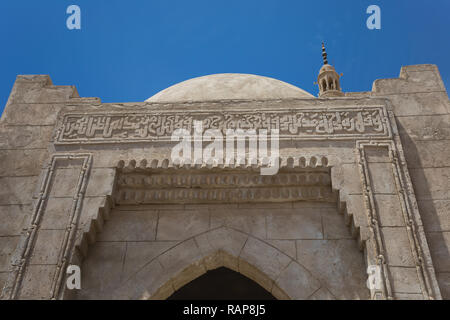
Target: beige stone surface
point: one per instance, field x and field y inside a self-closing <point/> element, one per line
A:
<point x="356" y="207"/>
<point x="251" y="221"/>
<point x="57" y="213"/>
<point x="145" y="283"/>
<point x="50" y="94"/>
<point x="130" y="226"/>
<point x="3" y="278"/>
<point x="436" y="214"/>
<point x="267" y="259"/>
<point x="139" y="254"/>
<point x="322" y="294"/>
<point x="297" y="282"/>
<point x="411" y="81"/>
<point x="13" y="217"/>
<point x="109" y="257"/>
<point x="37" y="282"/>
<point x="222" y="239"/>
<point x="47" y="247"/>
<point x="420" y="104"/>
<point x="433" y="127"/>
<point x="397" y="247"/>
<point x="389" y="210"/>
<point x="101" y="182"/>
<point x="26" y="162"/>
<point x="382" y="178"/>
<point x="431" y="183"/>
<point x="17" y="190"/>
<point x="338" y="264"/>
<point x="287" y="224"/>
<point x="444" y="282"/>
<point x="333" y="225"/>
<point x="440" y="250"/>
<point x="178" y="225"/>
<point x="286" y="246"/>
<point x="422" y="154"/>
<point x="7" y="247"/>
<point x="31" y="114"/>
<point x="404" y="280"/>
<point x="25" y="137"/>
<point x="346" y="178"/>
<point x="377" y="154"/>
<point x="65" y="182"/>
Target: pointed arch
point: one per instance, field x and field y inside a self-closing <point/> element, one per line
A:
<point x="222" y="284"/>
<point x="255" y="259"/>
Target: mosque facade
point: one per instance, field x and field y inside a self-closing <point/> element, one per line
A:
<point x="357" y="208"/>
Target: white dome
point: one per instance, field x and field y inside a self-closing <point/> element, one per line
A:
<point x="226" y="86"/>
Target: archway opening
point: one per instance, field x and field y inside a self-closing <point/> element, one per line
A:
<point x="222" y="284"/>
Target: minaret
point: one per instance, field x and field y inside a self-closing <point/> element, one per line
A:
<point x="328" y="79"/>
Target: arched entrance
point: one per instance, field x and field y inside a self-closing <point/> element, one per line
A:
<point x="130" y="269"/>
<point x="297" y="247"/>
<point x="222" y="284"/>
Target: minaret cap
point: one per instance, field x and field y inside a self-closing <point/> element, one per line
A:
<point x="328" y="79"/>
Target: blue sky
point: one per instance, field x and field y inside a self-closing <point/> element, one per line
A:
<point x="128" y="50"/>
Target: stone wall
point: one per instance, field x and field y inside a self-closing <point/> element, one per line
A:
<point x="25" y="132"/>
<point x="422" y="111"/>
<point x="294" y="250"/>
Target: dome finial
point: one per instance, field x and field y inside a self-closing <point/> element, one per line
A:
<point x="328" y="79"/>
<point x="324" y="54"/>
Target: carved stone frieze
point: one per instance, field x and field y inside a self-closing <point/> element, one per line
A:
<point x="320" y="123"/>
<point x="297" y="180"/>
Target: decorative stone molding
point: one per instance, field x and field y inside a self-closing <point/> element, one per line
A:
<point x="286" y="163"/>
<point x="409" y="211"/>
<point x="15" y="282"/>
<point x="349" y="219"/>
<point x="320" y="123"/>
<point x="88" y="236"/>
<point x="163" y="182"/>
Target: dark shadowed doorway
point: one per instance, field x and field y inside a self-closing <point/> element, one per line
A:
<point x="222" y="284"/>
